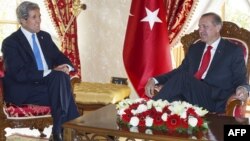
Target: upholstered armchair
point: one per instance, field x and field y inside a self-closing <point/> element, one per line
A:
<point x="24" y="116"/>
<point x="239" y="36"/>
<point x="28" y="115"/>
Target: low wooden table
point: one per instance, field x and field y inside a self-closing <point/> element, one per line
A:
<point x="102" y="123"/>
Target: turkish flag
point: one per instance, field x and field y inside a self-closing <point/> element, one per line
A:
<point x="146" y="51"/>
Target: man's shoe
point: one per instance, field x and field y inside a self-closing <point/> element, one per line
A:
<point x="56" y="137"/>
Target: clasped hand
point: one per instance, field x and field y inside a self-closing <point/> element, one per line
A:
<point x="63" y="68"/>
<point x="151" y="88"/>
<point x="241" y="93"/>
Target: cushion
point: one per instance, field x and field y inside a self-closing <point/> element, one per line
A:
<point x="25" y="111"/>
<point x="100" y="93"/>
<point x="237" y="111"/>
<point x="242" y="110"/>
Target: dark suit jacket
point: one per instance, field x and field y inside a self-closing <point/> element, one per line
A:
<point x="21" y="74"/>
<point x="227" y="70"/>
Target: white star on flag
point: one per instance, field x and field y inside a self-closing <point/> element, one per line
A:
<point x="153" y="42"/>
<point x="151" y="17"/>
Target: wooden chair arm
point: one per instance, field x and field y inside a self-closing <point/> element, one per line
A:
<point x="74" y="80"/>
<point x="234" y="104"/>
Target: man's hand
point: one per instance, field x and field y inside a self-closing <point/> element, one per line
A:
<point x="150" y="88"/>
<point x="241" y="93"/>
<point x="63" y="68"/>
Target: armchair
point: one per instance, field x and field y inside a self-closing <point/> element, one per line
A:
<point x="32" y="116"/>
<point x="239" y="36"/>
<point x="24" y="116"/>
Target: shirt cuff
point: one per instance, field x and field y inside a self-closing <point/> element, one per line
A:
<point x="46" y="72"/>
<point x="156" y="82"/>
<point x="70" y="68"/>
<point x="245" y="88"/>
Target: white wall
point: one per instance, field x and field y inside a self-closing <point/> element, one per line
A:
<point x="101" y="32"/>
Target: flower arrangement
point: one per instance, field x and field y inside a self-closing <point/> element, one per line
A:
<point x="161" y="115"/>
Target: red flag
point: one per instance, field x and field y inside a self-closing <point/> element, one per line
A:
<point x="146" y="51"/>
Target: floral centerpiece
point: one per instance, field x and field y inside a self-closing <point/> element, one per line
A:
<point x="161" y="115"/>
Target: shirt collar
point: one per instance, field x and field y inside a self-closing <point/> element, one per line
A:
<point x="215" y="44"/>
<point x="26" y="33"/>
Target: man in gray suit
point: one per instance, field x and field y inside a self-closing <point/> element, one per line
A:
<point x="225" y="71"/>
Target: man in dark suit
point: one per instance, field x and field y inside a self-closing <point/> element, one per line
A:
<point x="42" y="78"/>
<point x="226" y="71"/>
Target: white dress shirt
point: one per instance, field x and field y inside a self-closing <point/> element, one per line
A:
<point x="214" y="45"/>
<point x="28" y="36"/>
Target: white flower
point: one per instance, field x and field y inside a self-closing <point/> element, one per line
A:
<point x="184" y="113"/>
<point x="187" y="104"/>
<point x="142" y="108"/>
<point x="177" y="107"/>
<point x="124" y="104"/>
<point x="134" y="112"/>
<point x="134" y="129"/>
<point x="121" y="112"/>
<point x="134" y="121"/>
<point x="160" y="103"/>
<point x="149" y="121"/>
<point x="192" y="121"/>
<point x="200" y="111"/>
<point x="139" y="100"/>
<point x="150" y="103"/>
<point x="149" y="131"/>
<point x="164" y="116"/>
<point x="158" y="109"/>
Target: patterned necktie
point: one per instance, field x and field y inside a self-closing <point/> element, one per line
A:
<point x="37" y="53"/>
<point x="204" y="63"/>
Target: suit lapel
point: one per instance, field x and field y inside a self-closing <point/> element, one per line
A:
<point x="41" y="42"/>
<point x="198" y="56"/>
<point x="25" y="44"/>
<point x="218" y="54"/>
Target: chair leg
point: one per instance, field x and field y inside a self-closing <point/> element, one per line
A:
<point x="42" y="135"/>
<point x="2" y="132"/>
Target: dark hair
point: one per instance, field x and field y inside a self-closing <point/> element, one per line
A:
<point x="22" y="11"/>
<point x="216" y="18"/>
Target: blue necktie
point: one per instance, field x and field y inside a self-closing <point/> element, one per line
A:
<point x="37" y="53"/>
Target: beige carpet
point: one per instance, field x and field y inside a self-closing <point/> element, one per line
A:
<point x="25" y="134"/>
<point x="19" y="137"/>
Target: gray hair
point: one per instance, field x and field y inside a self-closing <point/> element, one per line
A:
<point x="216" y="18"/>
<point x="23" y="9"/>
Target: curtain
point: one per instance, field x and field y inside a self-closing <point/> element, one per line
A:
<point x="178" y="11"/>
<point x="63" y="13"/>
<point x="178" y="15"/>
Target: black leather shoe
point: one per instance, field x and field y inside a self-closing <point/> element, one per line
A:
<point x="56" y="137"/>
